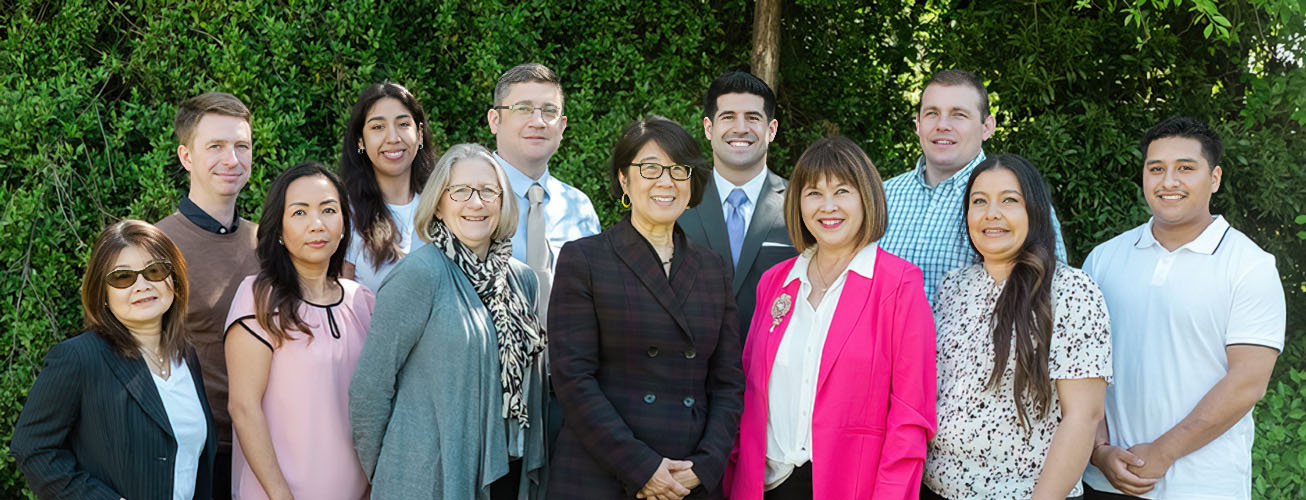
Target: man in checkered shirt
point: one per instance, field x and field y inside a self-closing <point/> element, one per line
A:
<point x="925" y="212"/>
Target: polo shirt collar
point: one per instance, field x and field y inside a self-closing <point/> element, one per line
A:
<point x="521" y="182"/>
<point x="957" y="181"/>
<point x="863" y="264"/>
<point x="1204" y="243"/>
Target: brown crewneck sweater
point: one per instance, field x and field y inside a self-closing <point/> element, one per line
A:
<point x="215" y="266"/>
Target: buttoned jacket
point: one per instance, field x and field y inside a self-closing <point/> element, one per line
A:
<point x="645" y="366"/>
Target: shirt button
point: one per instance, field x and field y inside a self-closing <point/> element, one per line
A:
<point x="650" y="398"/>
<point x="653" y="351"/>
<point x="689" y="402"/>
<point x="690" y="354"/>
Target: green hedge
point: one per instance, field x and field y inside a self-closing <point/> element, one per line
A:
<point x="88" y="90"/>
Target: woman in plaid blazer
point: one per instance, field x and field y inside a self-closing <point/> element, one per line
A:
<point x="644" y="349"/>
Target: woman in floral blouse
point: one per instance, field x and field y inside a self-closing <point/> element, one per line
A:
<point x="1024" y="351"/>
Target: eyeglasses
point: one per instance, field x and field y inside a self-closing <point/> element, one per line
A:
<point x="125" y="278"/>
<point x="652" y="170"/>
<point x="548" y="112"/>
<point x="463" y="192"/>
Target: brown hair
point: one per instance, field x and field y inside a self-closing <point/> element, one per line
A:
<point x="192" y="110"/>
<point x="960" y="78"/>
<point x="95" y="306"/>
<point x="839" y="158"/>
<point x="523" y="73"/>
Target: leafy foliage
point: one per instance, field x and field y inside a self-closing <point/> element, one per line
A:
<point x="88" y="90"/>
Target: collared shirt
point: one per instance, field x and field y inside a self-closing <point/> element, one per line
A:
<point x="199" y="217"/>
<point x="752" y="189"/>
<point x="927" y="227"/>
<point x="1173" y="313"/>
<point x="189" y="427"/>
<point x="797" y="367"/>
<point x="568" y="213"/>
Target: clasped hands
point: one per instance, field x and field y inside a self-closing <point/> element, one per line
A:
<point x="672" y="481"/>
<point x="1134" y="471"/>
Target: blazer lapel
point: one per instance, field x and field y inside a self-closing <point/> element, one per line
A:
<point x="135" y="376"/>
<point x="632" y="249"/>
<point x="776" y="334"/>
<point x="847" y="317"/>
<point x="713" y="221"/>
<point x="769" y="213"/>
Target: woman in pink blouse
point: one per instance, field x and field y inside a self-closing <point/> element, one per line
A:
<point x="839" y="359"/>
<point x="294" y="334"/>
<point x="1024" y="351"/>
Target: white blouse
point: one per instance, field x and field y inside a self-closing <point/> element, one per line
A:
<point x="186" y="415"/>
<point x="797" y="367"/>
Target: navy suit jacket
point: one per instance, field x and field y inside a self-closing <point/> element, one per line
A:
<point x="765" y="244"/>
<point x="94" y="427"/>
<point x="645" y="366"/>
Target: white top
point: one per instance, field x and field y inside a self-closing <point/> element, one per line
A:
<point x="568" y="213"/>
<point x="1172" y="315"/>
<point x="186" y="415"/>
<point x="365" y="271"/>
<point x="797" y="366"/>
<point x="752" y="189"/>
<point x="980" y="450"/>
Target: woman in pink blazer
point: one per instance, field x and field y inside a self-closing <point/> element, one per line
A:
<point x="839" y="359"/>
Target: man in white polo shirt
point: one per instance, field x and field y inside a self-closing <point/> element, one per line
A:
<point x="1197" y="321"/>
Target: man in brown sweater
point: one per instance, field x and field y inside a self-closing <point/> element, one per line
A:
<point x="214" y="146"/>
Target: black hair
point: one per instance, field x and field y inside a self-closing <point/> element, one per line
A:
<point x="1188" y="128"/>
<point x="679" y="146"/>
<point x="738" y="82"/>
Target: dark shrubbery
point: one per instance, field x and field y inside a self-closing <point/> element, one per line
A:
<point x="88" y="91"/>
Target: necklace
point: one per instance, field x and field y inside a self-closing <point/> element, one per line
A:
<point x="156" y="364"/>
<point x="825" y="281"/>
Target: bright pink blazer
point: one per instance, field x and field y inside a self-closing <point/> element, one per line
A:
<point x="875" y="390"/>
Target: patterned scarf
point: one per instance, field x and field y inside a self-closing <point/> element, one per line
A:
<point x="521" y="338"/>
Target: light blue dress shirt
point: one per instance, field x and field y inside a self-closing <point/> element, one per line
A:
<point x="568" y="213"/>
<point x="926" y="226"/>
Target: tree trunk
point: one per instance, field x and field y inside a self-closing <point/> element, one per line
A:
<point x="766" y="41"/>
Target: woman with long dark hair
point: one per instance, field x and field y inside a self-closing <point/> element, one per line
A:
<point x="385" y="159"/>
<point x="1024" y="351"/>
<point x="120" y="411"/>
<point x="294" y="333"/>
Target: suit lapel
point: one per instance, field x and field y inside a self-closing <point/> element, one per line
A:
<point x="135" y="376"/>
<point x="769" y="213"/>
<point x="847" y="317"/>
<point x="776" y="334"/>
<point x="712" y="221"/>
<point x="633" y="250"/>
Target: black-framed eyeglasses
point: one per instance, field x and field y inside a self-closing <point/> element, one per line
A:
<point x="125" y="278"/>
<point x="463" y="192"/>
<point x="650" y="170"/>
<point x="548" y="112"/>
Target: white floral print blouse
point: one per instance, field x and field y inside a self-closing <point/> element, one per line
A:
<point x="981" y="451"/>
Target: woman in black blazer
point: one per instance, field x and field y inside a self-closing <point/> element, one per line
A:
<point x="644" y="352"/>
<point x="119" y="411"/>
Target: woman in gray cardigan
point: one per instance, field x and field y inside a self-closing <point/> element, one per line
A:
<point x="448" y="397"/>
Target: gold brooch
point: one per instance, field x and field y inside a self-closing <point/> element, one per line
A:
<point x="779" y="309"/>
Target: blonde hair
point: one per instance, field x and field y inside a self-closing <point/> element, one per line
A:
<point x="436" y="185"/>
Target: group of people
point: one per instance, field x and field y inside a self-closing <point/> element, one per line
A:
<point x="459" y="326"/>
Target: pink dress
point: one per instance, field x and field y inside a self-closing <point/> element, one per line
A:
<point x="306" y="402"/>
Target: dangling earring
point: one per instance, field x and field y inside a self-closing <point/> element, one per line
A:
<point x="625" y="200"/>
<point x="360" y="151"/>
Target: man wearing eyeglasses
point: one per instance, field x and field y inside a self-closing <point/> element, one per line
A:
<point x="215" y="147"/>
<point x="742" y="213"/>
<point x="527" y="122"/>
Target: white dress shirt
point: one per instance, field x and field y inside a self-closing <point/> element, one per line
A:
<point x="752" y="189"/>
<point x="186" y="415"/>
<point x="797" y="367"/>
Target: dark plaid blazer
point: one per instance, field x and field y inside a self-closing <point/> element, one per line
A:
<point x="94" y="427"/>
<point x="645" y="367"/>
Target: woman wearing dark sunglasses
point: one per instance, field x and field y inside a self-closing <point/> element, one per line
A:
<point x="120" y="411"/>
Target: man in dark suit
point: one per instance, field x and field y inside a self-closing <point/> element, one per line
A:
<point x="742" y="213"/>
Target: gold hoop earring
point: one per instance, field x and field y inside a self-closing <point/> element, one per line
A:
<point x="625" y="200"/>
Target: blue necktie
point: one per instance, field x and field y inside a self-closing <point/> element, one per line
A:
<point x="735" y="222"/>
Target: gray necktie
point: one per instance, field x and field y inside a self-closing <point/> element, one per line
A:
<point x="537" y="249"/>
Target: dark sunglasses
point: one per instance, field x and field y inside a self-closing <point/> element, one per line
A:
<point x="124" y="278"/>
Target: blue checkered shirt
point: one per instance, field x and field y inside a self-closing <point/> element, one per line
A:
<point x="926" y="225"/>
